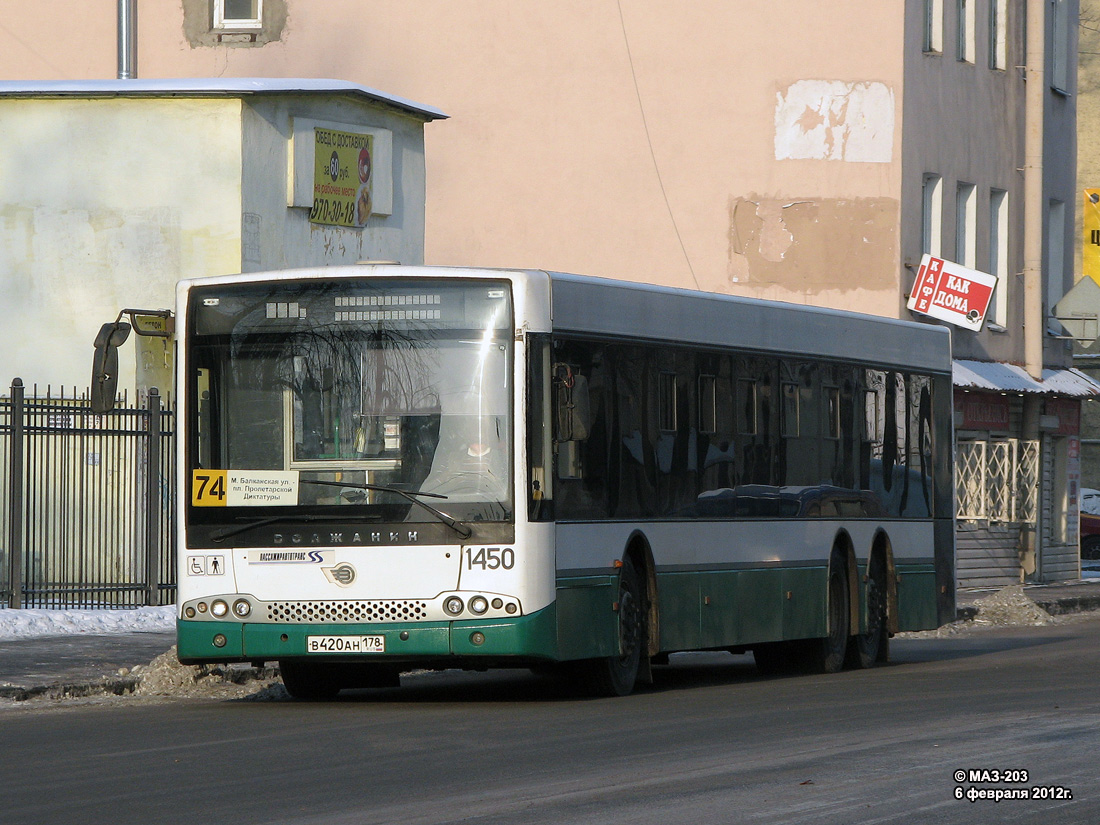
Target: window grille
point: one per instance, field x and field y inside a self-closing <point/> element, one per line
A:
<point x="997" y="480"/>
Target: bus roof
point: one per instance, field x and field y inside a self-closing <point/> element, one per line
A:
<point x="624" y="309"/>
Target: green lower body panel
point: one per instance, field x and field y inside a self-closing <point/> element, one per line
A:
<point x="700" y="610"/>
<point x="587" y="623"/>
<point x="917" y="598"/>
<point x="526" y="637"/>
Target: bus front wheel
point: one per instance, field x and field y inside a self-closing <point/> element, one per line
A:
<point x="615" y="675"/>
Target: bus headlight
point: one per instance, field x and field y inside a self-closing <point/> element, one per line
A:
<point x="453" y="605"/>
<point x="219" y="608"/>
<point x="479" y="604"/>
<point x="241" y="608"/>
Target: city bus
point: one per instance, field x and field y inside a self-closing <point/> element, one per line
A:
<point x="387" y="468"/>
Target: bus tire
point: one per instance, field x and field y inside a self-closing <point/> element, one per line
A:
<point x="311" y="682"/>
<point x="827" y="655"/>
<point x="873" y="645"/>
<point x="616" y="675"/>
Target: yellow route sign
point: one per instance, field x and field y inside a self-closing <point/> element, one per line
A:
<point x="208" y="488"/>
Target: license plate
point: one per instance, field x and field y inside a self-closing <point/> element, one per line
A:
<point x="345" y="644"/>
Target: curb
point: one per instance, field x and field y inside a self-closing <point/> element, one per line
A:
<point x="1054" y="605"/>
<point x="1069" y="604"/>
<point x="106" y="686"/>
<point x="124" y="685"/>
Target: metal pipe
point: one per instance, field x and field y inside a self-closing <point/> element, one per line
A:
<point x="15" y="497"/>
<point x="1034" y="193"/>
<point x="127" y="39"/>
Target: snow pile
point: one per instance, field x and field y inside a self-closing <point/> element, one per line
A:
<point x="166" y="676"/>
<point x="1007" y="607"/>
<point x="1010" y="607"/>
<point x="34" y="623"/>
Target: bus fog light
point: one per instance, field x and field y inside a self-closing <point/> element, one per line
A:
<point x="498" y="604"/>
<point x="479" y="604"/>
<point x="219" y="640"/>
<point x="189" y="613"/>
<point x="202" y="607"/>
<point x="453" y="605"/>
<point x="510" y="608"/>
<point x="241" y="608"/>
<point x="477" y="638"/>
<point x="219" y="608"/>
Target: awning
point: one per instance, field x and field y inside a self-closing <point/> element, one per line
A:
<point x="996" y="376"/>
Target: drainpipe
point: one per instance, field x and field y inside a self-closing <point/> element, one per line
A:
<point x="1034" y="98"/>
<point x="127" y="39"/>
<point x="1034" y="218"/>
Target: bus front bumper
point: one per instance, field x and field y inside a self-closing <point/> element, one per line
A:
<point x="531" y="637"/>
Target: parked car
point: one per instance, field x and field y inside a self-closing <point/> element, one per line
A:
<point x="1090" y="535"/>
<point x="1090" y="501"/>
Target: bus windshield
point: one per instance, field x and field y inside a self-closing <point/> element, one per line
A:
<point x="349" y="386"/>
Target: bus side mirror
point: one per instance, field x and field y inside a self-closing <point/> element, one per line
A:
<point x="105" y="366"/>
<point x="572" y="408"/>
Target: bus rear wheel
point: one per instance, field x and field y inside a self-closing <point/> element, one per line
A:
<point x="873" y="645"/>
<point x="312" y="682"/>
<point x="827" y="655"/>
<point x="616" y="675"/>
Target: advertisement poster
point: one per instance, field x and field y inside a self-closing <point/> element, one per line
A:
<point x="341" y="178"/>
<point x="952" y="293"/>
<point x="1090" y="246"/>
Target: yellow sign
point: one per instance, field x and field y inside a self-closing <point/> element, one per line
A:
<point x="208" y="488"/>
<point x="1090" y="241"/>
<point x="243" y="488"/>
<point x="341" y="178"/>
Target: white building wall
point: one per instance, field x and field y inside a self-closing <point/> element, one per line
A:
<point x="104" y="204"/>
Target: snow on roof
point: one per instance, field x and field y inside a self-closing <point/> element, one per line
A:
<point x="1002" y="377"/>
<point x="211" y="87"/>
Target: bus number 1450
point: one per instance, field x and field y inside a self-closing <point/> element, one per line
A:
<point x="491" y="558"/>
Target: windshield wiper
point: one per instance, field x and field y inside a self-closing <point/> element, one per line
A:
<point x="463" y="531"/>
<point x="225" y="533"/>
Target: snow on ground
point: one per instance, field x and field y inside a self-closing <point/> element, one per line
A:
<point x="34" y="623"/>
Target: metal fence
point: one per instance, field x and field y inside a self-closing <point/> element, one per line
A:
<point x="86" y="502"/>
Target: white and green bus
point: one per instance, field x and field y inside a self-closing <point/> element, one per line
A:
<point x="386" y="468"/>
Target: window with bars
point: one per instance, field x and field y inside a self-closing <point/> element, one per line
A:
<point x="997" y="480"/>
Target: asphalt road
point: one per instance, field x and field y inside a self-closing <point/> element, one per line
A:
<point x="711" y="742"/>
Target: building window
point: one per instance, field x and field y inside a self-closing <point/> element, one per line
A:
<point x="998" y="41"/>
<point x="1056" y="253"/>
<point x="932" y="216"/>
<point x="933" y="26"/>
<point x="708" y="404"/>
<point x="746" y="407"/>
<point x="965" y="41"/>
<point x="833" y="420"/>
<point x="998" y="256"/>
<point x="666" y="401"/>
<point x="1060" y="46"/>
<point x="238" y="14"/>
<point x="788" y="413"/>
<point x="965" y="226"/>
<point x="997" y="480"/>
